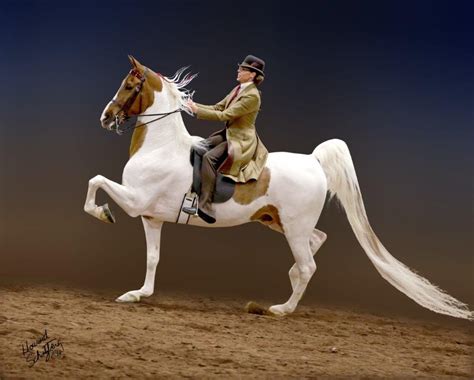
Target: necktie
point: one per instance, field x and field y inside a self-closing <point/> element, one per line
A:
<point x="236" y="92"/>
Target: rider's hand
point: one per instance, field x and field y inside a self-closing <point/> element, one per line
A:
<point x="192" y="105"/>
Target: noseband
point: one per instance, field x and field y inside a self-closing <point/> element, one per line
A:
<point x="124" y="108"/>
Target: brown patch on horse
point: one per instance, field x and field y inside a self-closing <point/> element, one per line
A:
<point x="153" y="82"/>
<point x="269" y="216"/>
<point x="137" y="139"/>
<point x="246" y="193"/>
<point x="152" y="79"/>
<point x="145" y="98"/>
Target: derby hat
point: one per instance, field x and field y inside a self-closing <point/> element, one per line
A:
<point x="253" y="63"/>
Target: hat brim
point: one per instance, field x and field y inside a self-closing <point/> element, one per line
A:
<point x="252" y="68"/>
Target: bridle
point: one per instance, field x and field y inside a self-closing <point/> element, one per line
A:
<point x="124" y="108"/>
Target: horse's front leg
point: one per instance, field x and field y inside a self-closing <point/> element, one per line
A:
<point x="153" y="235"/>
<point x="122" y="195"/>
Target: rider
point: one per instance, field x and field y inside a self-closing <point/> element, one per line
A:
<point x="235" y="151"/>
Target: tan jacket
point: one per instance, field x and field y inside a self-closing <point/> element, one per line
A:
<point x="246" y="153"/>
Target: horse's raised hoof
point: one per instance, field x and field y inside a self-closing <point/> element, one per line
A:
<point x="106" y="215"/>
<point x="128" y="297"/>
<point x="254" y="308"/>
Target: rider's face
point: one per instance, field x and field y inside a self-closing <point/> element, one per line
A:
<point x="244" y="75"/>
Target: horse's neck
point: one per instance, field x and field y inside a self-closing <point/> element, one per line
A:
<point x="168" y="133"/>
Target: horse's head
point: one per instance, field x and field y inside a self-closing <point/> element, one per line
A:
<point x="135" y="95"/>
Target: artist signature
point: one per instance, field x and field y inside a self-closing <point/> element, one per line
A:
<point x="43" y="347"/>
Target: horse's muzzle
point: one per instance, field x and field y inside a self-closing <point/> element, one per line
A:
<point x="111" y="122"/>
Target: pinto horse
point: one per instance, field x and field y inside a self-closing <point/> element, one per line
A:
<point x="288" y="197"/>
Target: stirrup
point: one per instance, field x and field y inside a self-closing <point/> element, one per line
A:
<point x="193" y="211"/>
<point x="190" y="201"/>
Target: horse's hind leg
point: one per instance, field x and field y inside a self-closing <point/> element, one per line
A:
<point x="316" y="241"/>
<point x="153" y="235"/>
<point x="306" y="267"/>
<point x="123" y="196"/>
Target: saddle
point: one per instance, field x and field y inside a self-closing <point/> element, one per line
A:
<point x="224" y="186"/>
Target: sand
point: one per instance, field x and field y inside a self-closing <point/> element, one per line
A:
<point x="176" y="335"/>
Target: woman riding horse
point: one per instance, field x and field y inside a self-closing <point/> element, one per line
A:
<point x="235" y="151"/>
<point x="290" y="201"/>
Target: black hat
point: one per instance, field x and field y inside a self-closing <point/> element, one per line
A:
<point x="253" y="63"/>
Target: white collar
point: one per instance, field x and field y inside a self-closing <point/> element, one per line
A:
<point x="245" y="84"/>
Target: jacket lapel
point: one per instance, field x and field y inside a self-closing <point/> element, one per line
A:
<point x="247" y="88"/>
<point x="244" y="91"/>
<point x="229" y="97"/>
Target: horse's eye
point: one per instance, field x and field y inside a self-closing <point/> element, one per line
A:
<point x="128" y="87"/>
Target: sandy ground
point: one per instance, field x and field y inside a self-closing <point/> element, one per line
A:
<point x="168" y="335"/>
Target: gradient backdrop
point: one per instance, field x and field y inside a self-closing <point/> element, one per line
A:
<point x="394" y="79"/>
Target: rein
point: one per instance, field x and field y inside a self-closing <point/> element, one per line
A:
<point x="131" y="127"/>
<point x="130" y="102"/>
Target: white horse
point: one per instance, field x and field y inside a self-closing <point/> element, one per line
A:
<point x="288" y="197"/>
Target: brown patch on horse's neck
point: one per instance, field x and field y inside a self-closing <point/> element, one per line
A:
<point x="269" y="216"/>
<point x="154" y="80"/>
<point x="145" y="99"/>
<point x="246" y="193"/>
<point x="138" y="138"/>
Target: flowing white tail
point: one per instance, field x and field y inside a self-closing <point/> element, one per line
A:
<point x="337" y="164"/>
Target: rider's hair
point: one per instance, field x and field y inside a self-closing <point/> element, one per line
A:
<point x="258" y="79"/>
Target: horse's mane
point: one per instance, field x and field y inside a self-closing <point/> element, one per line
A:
<point x="179" y="81"/>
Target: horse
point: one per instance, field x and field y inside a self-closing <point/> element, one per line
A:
<point x="288" y="197"/>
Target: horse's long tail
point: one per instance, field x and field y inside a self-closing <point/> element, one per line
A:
<point x="337" y="164"/>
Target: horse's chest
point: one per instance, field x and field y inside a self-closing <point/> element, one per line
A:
<point x="157" y="175"/>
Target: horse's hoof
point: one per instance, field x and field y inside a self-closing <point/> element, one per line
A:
<point x="106" y="215"/>
<point x="277" y="310"/>
<point x="128" y="297"/>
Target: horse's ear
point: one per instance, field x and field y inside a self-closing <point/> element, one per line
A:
<point x="135" y="63"/>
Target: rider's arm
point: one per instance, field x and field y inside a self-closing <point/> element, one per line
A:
<point x="217" y="107"/>
<point x="246" y="104"/>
